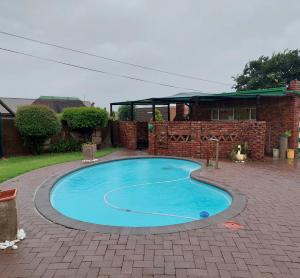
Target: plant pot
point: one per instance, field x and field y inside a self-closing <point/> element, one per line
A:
<point x="283" y="147"/>
<point x="89" y="151"/>
<point x="275" y="153"/>
<point x="8" y="215"/>
<point x="150" y="127"/>
<point x="290" y="153"/>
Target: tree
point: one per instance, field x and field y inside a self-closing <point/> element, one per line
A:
<point x="270" y="72"/>
<point x="36" y="124"/>
<point x="85" y="119"/>
<point x="124" y="113"/>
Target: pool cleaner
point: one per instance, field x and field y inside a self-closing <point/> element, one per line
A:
<point x="204" y="214"/>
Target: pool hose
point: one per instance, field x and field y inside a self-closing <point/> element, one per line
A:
<point x="107" y="202"/>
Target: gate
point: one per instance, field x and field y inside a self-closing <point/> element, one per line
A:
<point x="142" y="135"/>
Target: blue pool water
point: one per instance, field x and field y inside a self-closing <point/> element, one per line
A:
<point x="140" y="192"/>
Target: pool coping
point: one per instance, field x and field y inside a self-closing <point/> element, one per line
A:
<point x="44" y="207"/>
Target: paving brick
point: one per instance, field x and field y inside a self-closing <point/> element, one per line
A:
<point x="267" y="246"/>
<point x="127" y="267"/>
<point x="58" y="266"/>
<point x="143" y="264"/>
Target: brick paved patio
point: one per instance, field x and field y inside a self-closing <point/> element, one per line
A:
<point x="267" y="246"/>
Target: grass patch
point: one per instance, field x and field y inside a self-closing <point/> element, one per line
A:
<point x="15" y="166"/>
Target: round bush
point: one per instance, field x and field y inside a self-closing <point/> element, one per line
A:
<point x="85" y="119"/>
<point x="36" y="124"/>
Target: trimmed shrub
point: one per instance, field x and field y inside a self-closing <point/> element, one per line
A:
<point x="36" y="123"/>
<point x="85" y="119"/>
<point x="66" y="145"/>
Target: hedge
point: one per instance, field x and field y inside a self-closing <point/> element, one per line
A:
<point x="85" y="119"/>
<point x="36" y="124"/>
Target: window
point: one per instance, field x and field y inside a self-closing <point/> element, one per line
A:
<point x="228" y="114"/>
<point x="242" y="114"/>
<point x="253" y="113"/>
<point x="215" y="114"/>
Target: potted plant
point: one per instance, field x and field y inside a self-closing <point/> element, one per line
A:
<point x="8" y="215"/>
<point x="84" y="120"/>
<point x="89" y="150"/>
<point x="276" y="152"/>
<point x="150" y="127"/>
<point x="290" y="153"/>
<point x="283" y="143"/>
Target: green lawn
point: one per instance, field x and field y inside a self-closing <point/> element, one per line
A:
<point x="14" y="166"/>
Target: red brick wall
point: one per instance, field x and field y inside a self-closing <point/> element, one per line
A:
<point x="13" y="143"/>
<point x="280" y="114"/>
<point x="298" y="109"/>
<point x="190" y="139"/>
<point x="128" y="135"/>
<point x="294" y="85"/>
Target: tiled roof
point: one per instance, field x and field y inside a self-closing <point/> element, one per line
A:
<point x="14" y="103"/>
<point x="60" y="103"/>
<point x="56" y="103"/>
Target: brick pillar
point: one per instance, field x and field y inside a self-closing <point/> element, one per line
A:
<point x="180" y="108"/>
<point x="294" y="85"/>
<point x="151" y="143"/>
<point x="128" y="135"/>
<point x="294" y="122"/>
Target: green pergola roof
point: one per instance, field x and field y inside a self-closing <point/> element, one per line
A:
<point x="199" y="96"/>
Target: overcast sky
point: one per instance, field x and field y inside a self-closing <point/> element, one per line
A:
<point x="209" y="39"/>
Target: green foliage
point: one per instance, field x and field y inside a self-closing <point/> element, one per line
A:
<point x="270" y="72"/>
<point x="66" y="145"/>
<point x="14" y="166"/>
<point x="158" y="116"/>
<point x="85" y="119"/>
<point x="113" y="116"/>
<point x="286" y="134"/>
<point x="59" y="116"/>
<point x="124" y="113"/>
<point x="36" y="124"/>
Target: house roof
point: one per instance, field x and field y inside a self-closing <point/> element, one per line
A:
<point x="14" y="103"/>
<point x="57" y="98"/>
<point x="58" y="104"/>
<point x="197" y="96"/>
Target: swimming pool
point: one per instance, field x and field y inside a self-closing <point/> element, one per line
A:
<point x="142" y="192"/>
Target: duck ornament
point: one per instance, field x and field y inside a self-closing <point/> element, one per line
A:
<point x="239" y="156"/>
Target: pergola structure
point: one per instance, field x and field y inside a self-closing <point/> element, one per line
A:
<point x="257" y="117"/>
<point x="196" y="97"/>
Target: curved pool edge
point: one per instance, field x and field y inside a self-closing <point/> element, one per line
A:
<point x="44" y="207"/>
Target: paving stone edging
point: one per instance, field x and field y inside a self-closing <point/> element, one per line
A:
<point x="44" y="207"/>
